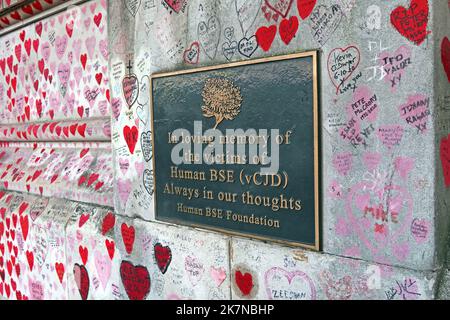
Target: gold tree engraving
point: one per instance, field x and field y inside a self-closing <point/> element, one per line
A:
<point x="222" y="100"/>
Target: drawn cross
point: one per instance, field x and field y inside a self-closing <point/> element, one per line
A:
<point x="129" y="67"/>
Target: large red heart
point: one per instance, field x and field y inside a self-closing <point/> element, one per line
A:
<point x="128" y="235"/>
<point x="131" y="137"/>
<point x="445" y="159"/>
<point x="305" y="7"/>
<point x="445" y="56"/>
<point x="244" y="282"/>
<point x="412" y="22"/>
<point x="265" y="36"/>
<point x="82" y="280"/>
<point x="288" y="29"/>
<point x="163" y="256"/>
<point x="136" y="280"/>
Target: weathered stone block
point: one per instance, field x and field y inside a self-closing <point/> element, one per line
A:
<point x="92" y="258"/>
<point x="263" y="271"/>
<point x="168" y="262"/>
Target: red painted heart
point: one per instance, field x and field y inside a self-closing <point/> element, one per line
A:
<point x="288" y="29"/>
<point x="412" y="22"/>
<point x="24" y="223"/>
<point x="128" y="236"/>
<point x="163" y="257"/>
<point x="131" y="136"/>
<point x="59" y="267"/>
<point x="83" y="254"/>
<point x="342" y="63"/>
<point x="108" y="223"/>
<point x="110" y="247"/>
<point x="445" y="56"/>
<point x="83" y="219"/>
<point x="244" y="282"/>
<point x="265" y="36"/>
<point x="82" y="280"/>
<point x="136" y="280"/>
<point x="305" y="7"/>
<point x="30" y="259"/>
<point x="445" y="159"/>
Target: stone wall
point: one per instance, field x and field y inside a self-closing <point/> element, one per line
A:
<point x="384" y="149"/>
<point x="388" y="158"/>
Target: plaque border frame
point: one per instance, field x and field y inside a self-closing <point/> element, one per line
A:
<point x="317" y="178"/>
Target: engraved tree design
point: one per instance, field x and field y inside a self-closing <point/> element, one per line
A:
<point x="222" y="100"/>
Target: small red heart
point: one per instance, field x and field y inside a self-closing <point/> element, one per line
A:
<point x="98" y="19"/>
<point x="288" y="29"/>
<point x="84" y="152"/>
<point x="23" y="207"/>
<point x="265" y="36"/>
<point x="39" y="28"/>
<point x="80" y="111"/>
<point x="128" y="236"/>
<point x="412" y="22"/>
<point x="131" y="137"/>
<point x="83" y="59"/>
<point x="24" y="223"/>
<point x="244" y="282"/>
<point x="83" y="254"/>
<point x="30" y="258"/>
<point x="108" y="223"/>
<point x="92" y="178"/>
<point x="82" y="130"/>
<point x="99" y="77"/>
<point x="110" y="246"/>
<point x="59" y="267"/>
<point x="83" y="219"/>
<point x="82" y="180"/>
<point x="163" y="257"/>
<point x="27" y="9"/>
<point x="305" y="7"/>
<point x="445" y="56"/>
<point x="53" y="179"/>
<point x="99" y="185"/>
<point x="445" y="159"/>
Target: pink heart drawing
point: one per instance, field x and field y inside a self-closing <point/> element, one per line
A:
<point x="299" y="285"/>
<point x="370" y="224"/>
<point x="103" y="265"/>
<point x="218" y="275"/>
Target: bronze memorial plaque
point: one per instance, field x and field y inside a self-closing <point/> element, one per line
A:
<point x="236" y="148"/>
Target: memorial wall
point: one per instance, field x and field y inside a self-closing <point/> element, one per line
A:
<point x="227" y="149"/>
<point x="55" y="151"/>
<point x="384" y="122"/>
